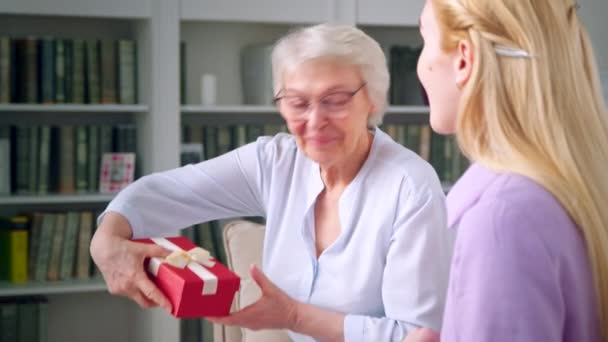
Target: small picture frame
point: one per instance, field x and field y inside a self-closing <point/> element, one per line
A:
<point x="117" y="171"/>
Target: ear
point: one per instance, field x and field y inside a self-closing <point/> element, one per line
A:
<point x="463" y="64"/>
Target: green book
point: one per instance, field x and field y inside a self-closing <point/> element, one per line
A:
<point x="56" y="247"/>
<point x="5" y="155"/>
<point x="22" y="159"/>
<point x="81" y="176"/>
<point x="27" y="320"/>
<point x="6" y="91"/>
<point x="66" y="160"/>
<point x="77" y="86"/>
<point x="34" y="243"/>
<point x="60" y="79"/>
<point x="183" y="88"/>
<point x="68" y="69"/>
<point x="93" y="158"/>
<point x="44" y="248"/>
<point x="108" y="72"/>
<point x="34" y="158"/>
<point x="43" y="320"/>
<point x="8" y="321"/>
<point x="93" y="70"/>
<point x="70" y="243"/>
<point x="44" y="170"/>
<point x="28" y="70"/>
<point x="210" y="143"/>
<point x="47" y="70"/>
<point x="127" y="80"/>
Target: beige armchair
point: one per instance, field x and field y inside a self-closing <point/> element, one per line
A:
<point x="243" y="242"/>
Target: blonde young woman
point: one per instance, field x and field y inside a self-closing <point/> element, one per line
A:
<point x="516" y="81"/>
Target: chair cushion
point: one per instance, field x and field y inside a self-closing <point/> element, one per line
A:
<point x="243" y="241"/>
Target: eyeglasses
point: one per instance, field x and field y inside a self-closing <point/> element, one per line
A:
<point x="297" y="107"/>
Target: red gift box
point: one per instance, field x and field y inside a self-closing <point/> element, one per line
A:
<point x="196" y="290"/>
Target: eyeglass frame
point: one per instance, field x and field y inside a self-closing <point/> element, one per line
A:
<point x="351" y="94"/>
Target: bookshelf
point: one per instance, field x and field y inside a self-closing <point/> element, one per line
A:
<point x="51" y="288"/>
<point x="214" y="32"/>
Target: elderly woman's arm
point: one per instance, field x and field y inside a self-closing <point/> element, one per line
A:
<point x="165" y="202"/>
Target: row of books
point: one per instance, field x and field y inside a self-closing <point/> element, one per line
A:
<point x="205" y="142"/>
<point x="439" y="150"/>
<point x="24" y="319"/>
<point x="55" y="70"/>
<point x="47" y="246"/>
<point x="42" y="159"/>
<point x="405" y="88"/>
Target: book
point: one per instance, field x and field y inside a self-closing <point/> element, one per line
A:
<point x="127" y="80"/>
<point x="84" y="239"/>
<point x="34" y="243"/>
<point x="81" y="170"/>
<point x="77" y="85"/>
<point x="44" y="247"/>
<point x="66" y="160"/>
<point x="60" y="71"/>
<point x="34" y="158"/>
<point x="6" y="91"/>
<point x="56" y="247"/>
<point x="108" y="72"/>
<point x="93" y="157"/>
<point x="92" y="73"/>
<point x="47" y="70"/>
<point x="70" y="243"/>
<point x="5" y="160"/>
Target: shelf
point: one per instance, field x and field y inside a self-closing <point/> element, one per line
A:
<point x="73" y="108"/>
<point x="194" y="109"/>
<point x="261" y="11"/>
<point x="54" y="199"/>
<point x="121" y="9"/>
<point x="47" y="288"/>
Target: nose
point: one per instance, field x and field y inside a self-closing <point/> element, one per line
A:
<point x="316" y="117"/>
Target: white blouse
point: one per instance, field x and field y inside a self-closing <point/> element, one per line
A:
<point x="388" y="270"/>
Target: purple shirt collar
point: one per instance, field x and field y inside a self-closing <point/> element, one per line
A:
<point x="467" y="191"/>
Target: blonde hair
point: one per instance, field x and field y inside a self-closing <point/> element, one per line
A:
<point x="541" y="116"/>
<point x="345" y="42"/>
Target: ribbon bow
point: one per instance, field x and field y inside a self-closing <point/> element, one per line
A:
<point x="194" y="260"/>
<point x="181" y="259"/>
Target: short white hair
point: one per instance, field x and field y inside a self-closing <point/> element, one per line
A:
<point x="344" y="42"/>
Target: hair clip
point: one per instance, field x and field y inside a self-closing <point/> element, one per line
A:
<point x="507" y="51"/>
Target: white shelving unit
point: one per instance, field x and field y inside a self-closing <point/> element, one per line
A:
<point x="72" y="108"/>
<point x="26" y="200"/>
<point x="52" y="288"/>
<point x="215" y="32"/>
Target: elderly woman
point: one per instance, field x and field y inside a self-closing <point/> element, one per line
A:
<point x="351" y="216"/>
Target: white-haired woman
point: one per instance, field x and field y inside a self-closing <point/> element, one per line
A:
<point x="351" y="216"/>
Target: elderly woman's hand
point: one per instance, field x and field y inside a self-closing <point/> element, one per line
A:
<point x="274" y="310"/>
<point x="121" y="262"/>
<point x="422" y="335"/>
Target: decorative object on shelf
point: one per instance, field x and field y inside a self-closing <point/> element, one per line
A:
<point x="117" y="171"/>
<point x="208" y="89"/>
<point x="196" y="284"/>
<point x="256" y="74"/>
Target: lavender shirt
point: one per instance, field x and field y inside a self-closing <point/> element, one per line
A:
<point x="520" y="271"/>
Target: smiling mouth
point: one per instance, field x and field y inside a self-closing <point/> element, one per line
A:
<point x="320" y="140"/>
